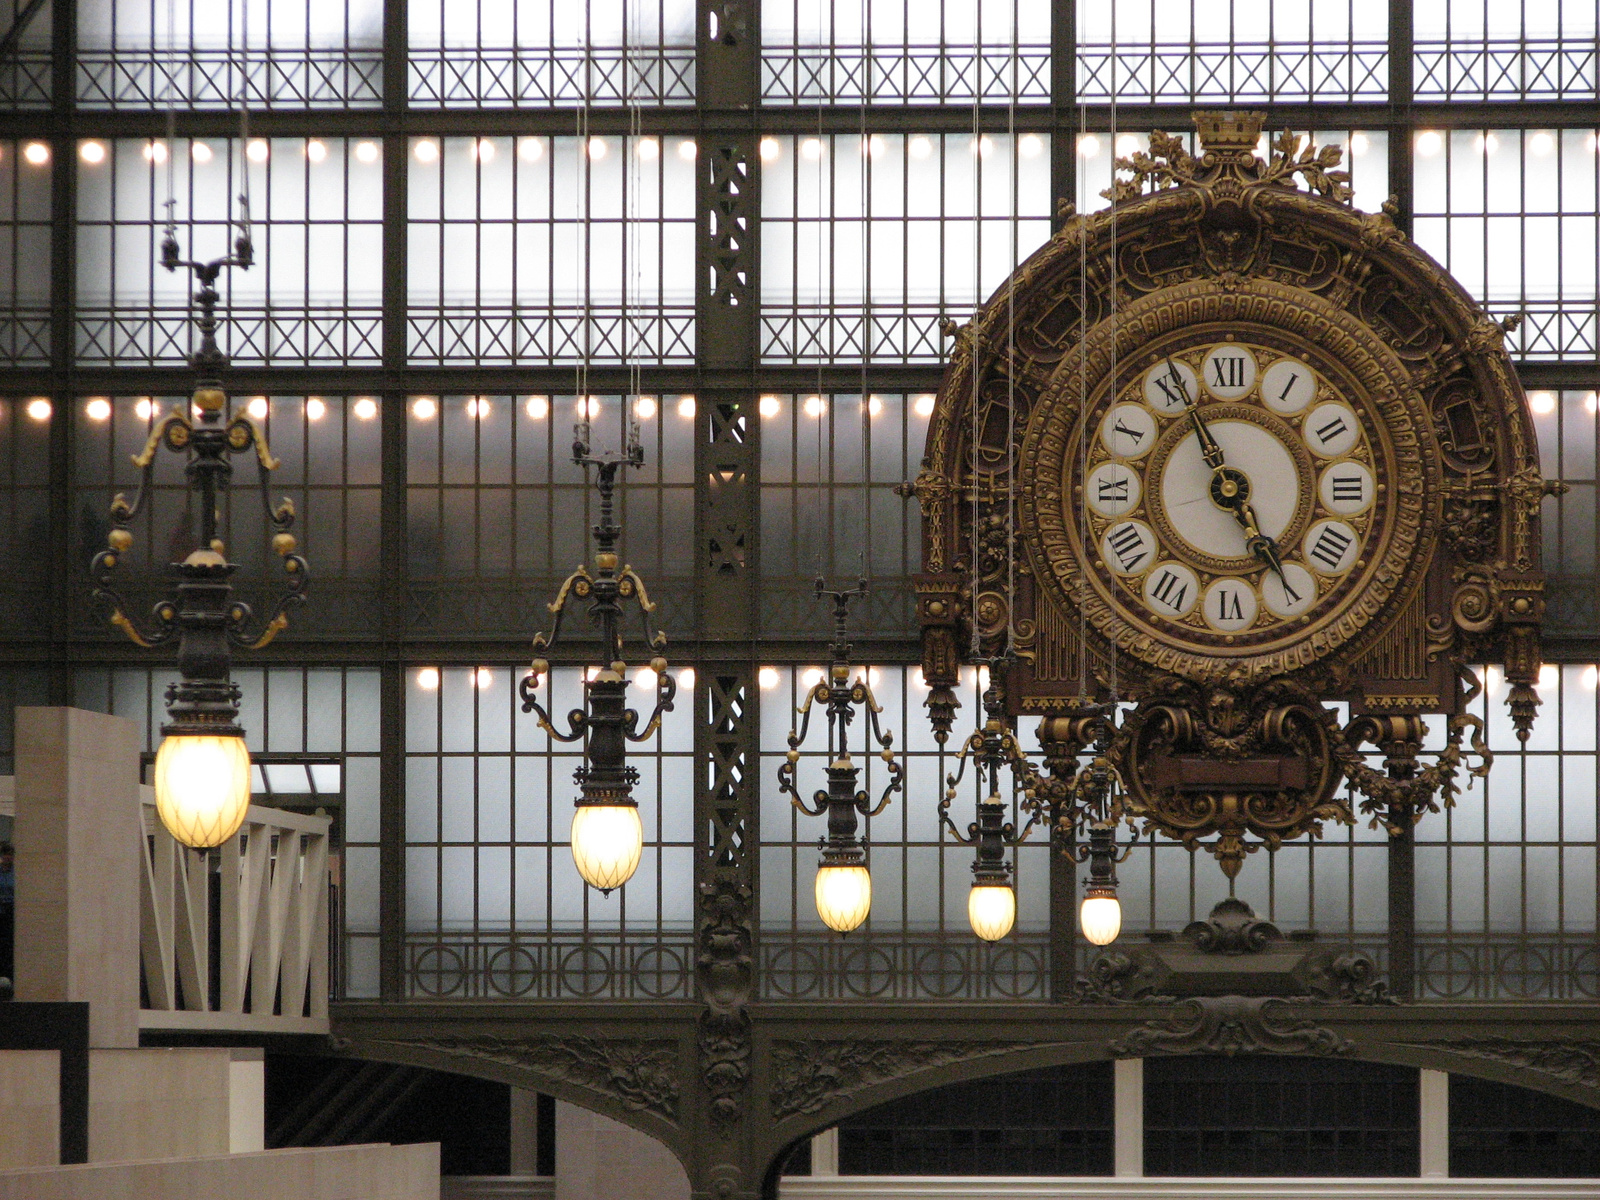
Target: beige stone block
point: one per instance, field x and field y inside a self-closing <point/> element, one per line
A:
<point x="158" y="1103"/>
<point x="77" y="838"/>
<point x="30" y="1108"/>
<point x="601" y="1159"/>
<point x="324" y="1173"/>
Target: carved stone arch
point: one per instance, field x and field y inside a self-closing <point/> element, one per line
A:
<point x="633" y="1081"/>
<point x="813" y="1084"/>
<point x="1568" y="1068"/>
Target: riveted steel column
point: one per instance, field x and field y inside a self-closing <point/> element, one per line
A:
<point x="726" y="464"/>
<point x="392" y="561"/>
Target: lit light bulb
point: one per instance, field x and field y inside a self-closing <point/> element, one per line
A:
<point x="92" y="152"/>
<point x="483" y="678"/>
<point x="426" y="150"/>
<point x="1549" y="675"/>
<point x="367" y="152"/>
<point x="645" y="679"/>
<point x="686" y="407"/>
<point x="874" y="406"/>
<point x="649" y="149"/>
<point x="40" y="409"/>
<point x="1542" y="403"/>
<point x="815" y="406"/>
<point x="1088" y="146"/>
<point x="1590" y="677"/>
<point x="258" y="150"/>
<point x="366" y="408"/>
<point x="919" y="147"/>
<point x="1127" y="144"/>
<point x="686" y="679"/>
<point x="315" y="409"/>
<point x="770" y="406"/>
<point x="98" y="409"/>
<point x="155" y="152"/>
<point x="317" y="151"/>
<point x="810" y="677"/>
<point x="530" y="149"/>
<point x="983" y="146"/>
<point x="1429" y="143"/>
<point x="688" y="149"/>
<point x="607" y="840"/>
<point x="874" y="146"/>
<point x="424" y="408"/>
<point x="924" y="406"/>
<point x="770" y="149"/>
<point x="811" y="149"/>
<point x="1031" y="145"/>
<point x="36" y="154"/>
<point x="645" y="406"/>
<point x="844" y="896"/>
<point x="1101" y="919"/>
<point x="597" y="148"/>
<point x="257" y="408"/>
<point x="428" y="679"/>
<point x="767" y="678"/>
<point x="202" y="787"/>
<point x="992" y="910"/>
<point x="478" y="406"/>
<point x="483" y="150"/>
<point x="200" y="152"/>
<point x="538" y="407"/>
<point x="1359" y="144"/>
<point x="144" y="408"/>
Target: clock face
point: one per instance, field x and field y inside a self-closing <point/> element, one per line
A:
<point x="1230" y="490"/>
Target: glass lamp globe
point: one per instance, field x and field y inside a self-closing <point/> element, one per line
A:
<point x="202" y="787"/>
<point x="1101" y="919"/>
<point x="607" y="840"/>
<point x="992" y="910"/>
<point x="844" y="896"/>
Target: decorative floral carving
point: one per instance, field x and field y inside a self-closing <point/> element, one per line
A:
<point x="642" y="1074"/>
<point x="807" y="1075"/>
<point x="1231" y="1025"/>
<point x="1576" y="1062"/>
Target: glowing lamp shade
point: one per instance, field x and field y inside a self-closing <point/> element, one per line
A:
<point x="1101" y="919"/>
<point x="202" y="787"/>
<point x="844" y="896"/>
<point x="992" y="910"/>
<point x="607" y="840"/>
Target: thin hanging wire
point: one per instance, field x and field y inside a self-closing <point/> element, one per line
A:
<point x="866" y="283"/>
<point x="977" y="276"/>
<point x="824" y="526"/>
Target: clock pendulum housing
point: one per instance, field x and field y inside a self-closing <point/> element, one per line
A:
<point x="1268" y="457"/>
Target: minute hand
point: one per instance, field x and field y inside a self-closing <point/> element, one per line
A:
<point x="1209" y="450"/>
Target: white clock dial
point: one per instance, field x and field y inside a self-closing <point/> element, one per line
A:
<point x="1346" y="488"/>
<point x="1113" y="489"/>
<point x="1331" y="547"/>
<point x="1290" y="595"/>
<point x="1230" y="604"/>
<point x="1229" y="371"/>
<point x="1166" y="394"/>
<point x="1287" y="386"/>
<point x="1171" y="589"/>
<point x="1331" y="430"/>
<point x="1185" y="487"/>
<point x="1129" y="547"/>
<point x="1129" y="431"/>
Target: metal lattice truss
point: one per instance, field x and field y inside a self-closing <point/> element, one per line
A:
<point x="909" y="74"/>
<point x="304" y="78"/>
<point x="495" y="77"/>
<point x="1235" y="72"/>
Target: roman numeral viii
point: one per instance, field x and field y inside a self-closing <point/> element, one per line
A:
<point x="1128" y="546"/>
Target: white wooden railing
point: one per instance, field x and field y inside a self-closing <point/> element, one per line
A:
<point x="272" y="927"/>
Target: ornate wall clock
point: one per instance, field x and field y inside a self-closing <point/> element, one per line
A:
<point x="1258" y="453"/>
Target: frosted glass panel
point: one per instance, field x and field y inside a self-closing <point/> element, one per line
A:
<point x="1233" y="50"/>
<point x="551" y="249"/>
<point x="1512" y="214"/>
<point x="274" y="53"/>
<point x="905" y="51"/>
<point x="529" y="53"/>
<point x="313" y="293"/>
<point x="866" y="243"/>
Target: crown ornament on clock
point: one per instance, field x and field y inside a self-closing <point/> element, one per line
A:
<point x="1261" y="455"/>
